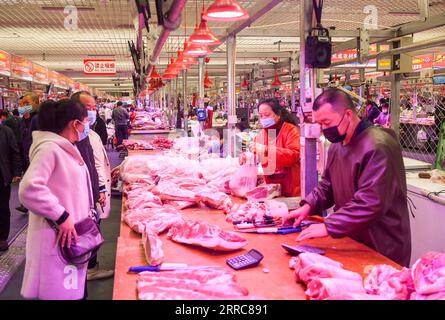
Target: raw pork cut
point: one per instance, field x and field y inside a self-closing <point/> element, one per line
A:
<point x="216" y="200"/>
<point x="136" y="145"/>
<point x="264" y="192"/>
<point x="429" y="273"/>
<point x="156" y="219"/>
<point x="189" y="284"/>
<point x="433" y="296"/>
<point x="137" y="200"/>
<point x="355" y="296"/>
<point x="389" y="282"/>
<point x="255" y="211"/>
<point x="167" y="190"/>
<point x="245" y="178"/>
<point x="324" y="288"/>
<point x="307" y="259"/>
<point x="152" y="248"/>
<point x="206" y="235"/>
<point x="180" y="204"/>
<point x="161" y="143"/>
<point x="321" y="270"/>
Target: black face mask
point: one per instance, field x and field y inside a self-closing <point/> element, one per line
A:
<point x="332" y="133"/>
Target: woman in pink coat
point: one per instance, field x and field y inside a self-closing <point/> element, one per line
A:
<point x="56" y="187"/>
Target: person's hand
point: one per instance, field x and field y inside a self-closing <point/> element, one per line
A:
<point x="16" y="179"/>
<point x="67" y="232"/>
<point x="257" y="148"/>
<point x="313" y="231"/>
<point x="298" y="215"/>
<point x="102" y="198"/>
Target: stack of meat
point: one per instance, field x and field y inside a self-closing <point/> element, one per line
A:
<point x="149" y="121"/>
<point x="264" y="192"/>
<point x="256" y="211"/>
<point x="190" y="284"/>
<point x="136" y="145"/>
<point x="326" y="279"/>
<point x="156" y="219"/>
<point x="209" y="236"/>
<point x="161" y="143"/>
<point x="429" y="277"/>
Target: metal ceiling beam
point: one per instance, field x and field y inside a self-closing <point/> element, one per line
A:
<point x="398" y="31"/>
<point x="255" y="13"/>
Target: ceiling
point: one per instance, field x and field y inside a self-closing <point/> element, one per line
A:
<point x="37" y="31"/>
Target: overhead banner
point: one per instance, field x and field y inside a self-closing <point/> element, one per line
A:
<point x="63" y="82"/>
<point x="423" y="62"/>
<point x="439" y="60"/>
<point x="5" y="63"/>
<point x="99" y="67"/>
<point x="40" y="74"/>
<point x="53" y="77"/>
<point x="21" y="68"/>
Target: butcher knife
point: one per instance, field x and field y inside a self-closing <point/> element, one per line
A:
<point x="280" y="230"/>
<point x="167" y="267"/>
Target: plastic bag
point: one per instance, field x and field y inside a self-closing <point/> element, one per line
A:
<point x="245" y="179"/>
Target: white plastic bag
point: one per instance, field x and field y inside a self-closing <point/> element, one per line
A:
<point x="245" y="179"/>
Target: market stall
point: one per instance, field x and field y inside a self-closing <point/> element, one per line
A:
<point x="273" y="278"/>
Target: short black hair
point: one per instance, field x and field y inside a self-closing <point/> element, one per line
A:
<point x="15" y="112"/>
<point x="55" y="116"/>
<point x="119" y="103"/>
<point x="338" y="99"/>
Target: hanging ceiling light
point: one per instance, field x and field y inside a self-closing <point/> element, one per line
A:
<point x="203" y="35"/>
<point x="197" y="50"/>
<point x="225" y="10"/>
<point x="154" y="74"/>
<point x="276" y="82"/>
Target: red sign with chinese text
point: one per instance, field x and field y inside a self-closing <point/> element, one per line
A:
<point x="21" y="68"/>
<point x="423" y="62"/>
<point x="40" y="74"/>
<point x="5" y="63"/>
<point x="99" y="67"/>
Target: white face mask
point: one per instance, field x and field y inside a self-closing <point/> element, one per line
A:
<point x="268" y="122"/>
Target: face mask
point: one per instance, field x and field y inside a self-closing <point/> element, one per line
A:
<point x="25" y="109"/>
<point x="92" y="117"/>
<point x="332" y="133"/>
<point x="268" y="122"/>
<point x="86" y="130"/>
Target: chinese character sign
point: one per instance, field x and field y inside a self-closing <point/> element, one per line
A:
<point x="99" y="67"/>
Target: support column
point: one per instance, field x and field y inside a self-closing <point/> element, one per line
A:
<point x="309" y="178"/>
<point x="362" y="85"/>
<point x="201" y="82"/>
<point x="184" y="100"/>
<point x="395" y="102"/>
<point x="231" y="96"/>
<point x="292" y="87"/>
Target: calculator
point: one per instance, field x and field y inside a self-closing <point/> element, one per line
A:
<point x="296" y="250"/>
<point x="248" y="260"/>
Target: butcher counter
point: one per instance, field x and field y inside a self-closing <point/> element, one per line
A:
<point x="271" y="279"/>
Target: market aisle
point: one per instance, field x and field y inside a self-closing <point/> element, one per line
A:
<point x="97" y="290"/>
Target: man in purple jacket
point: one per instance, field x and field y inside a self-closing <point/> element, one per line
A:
<point x="364" y="181"/>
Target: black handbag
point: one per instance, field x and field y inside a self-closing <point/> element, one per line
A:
<point x="89" y="240"/>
